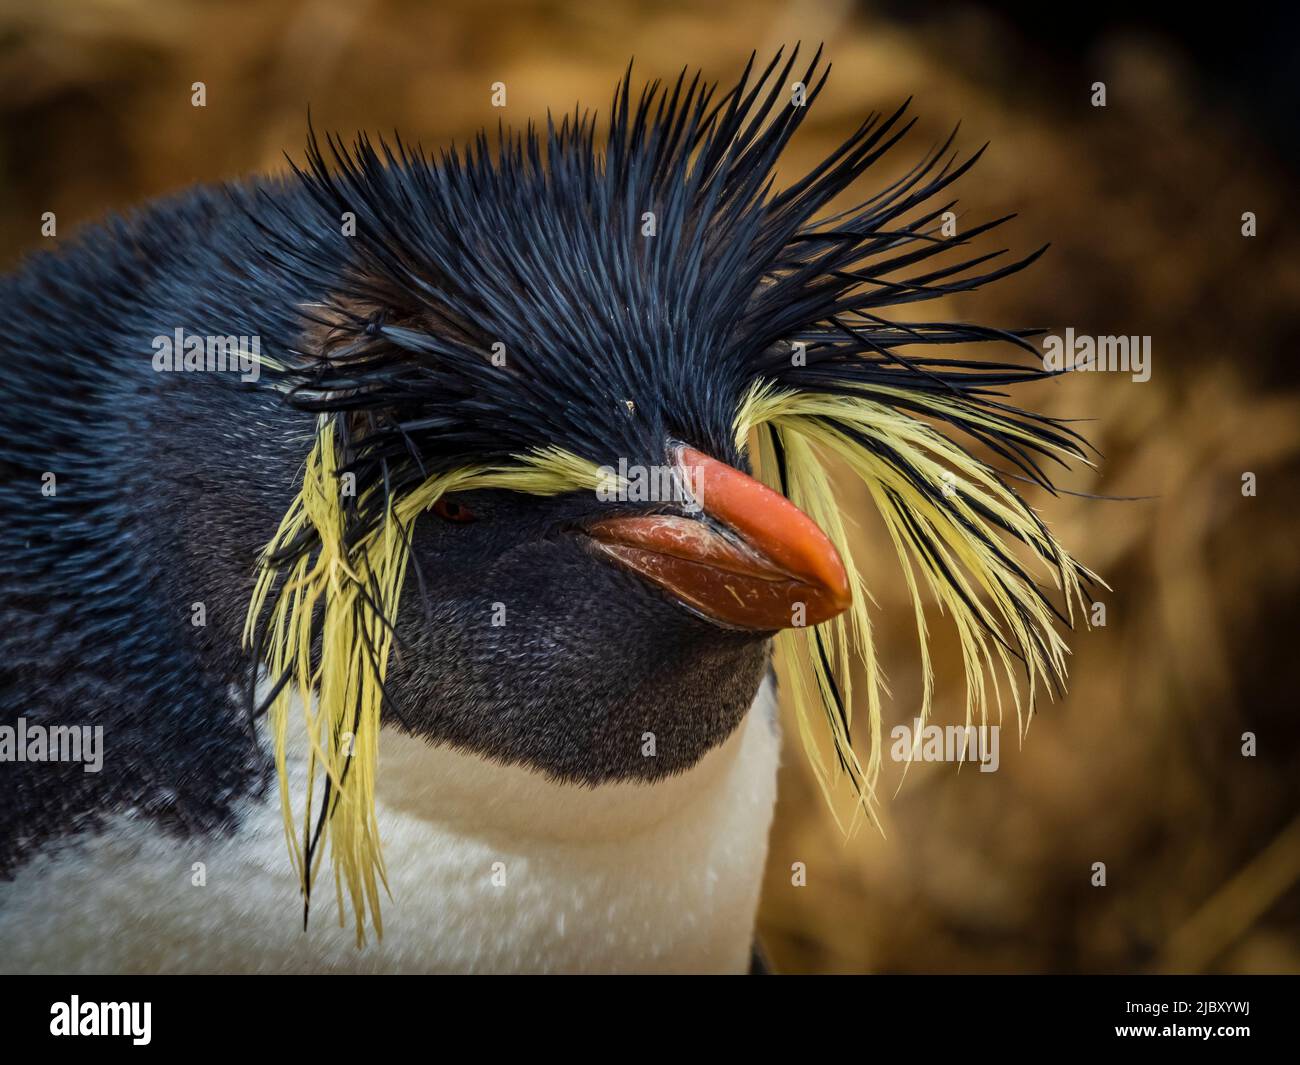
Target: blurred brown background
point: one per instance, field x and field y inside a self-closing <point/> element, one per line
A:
<point x="1140" y="766"/>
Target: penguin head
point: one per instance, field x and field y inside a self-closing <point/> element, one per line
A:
<point x="581" y="408"/>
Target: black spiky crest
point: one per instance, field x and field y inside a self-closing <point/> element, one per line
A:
<point x="538" y="245"/>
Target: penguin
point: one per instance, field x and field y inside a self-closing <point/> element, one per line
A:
<point x="395" y="550"/>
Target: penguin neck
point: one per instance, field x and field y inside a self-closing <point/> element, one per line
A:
<point x="465" y="793"/>
<point x="470" y="793"/>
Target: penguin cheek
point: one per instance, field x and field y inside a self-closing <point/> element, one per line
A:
<point x="549" y="657"/>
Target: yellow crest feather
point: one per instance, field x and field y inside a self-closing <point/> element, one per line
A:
<point x="952" y="542"/>
<point x="356" y="593"/>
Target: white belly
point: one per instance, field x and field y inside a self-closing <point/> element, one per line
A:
<point x="616" y="878"/>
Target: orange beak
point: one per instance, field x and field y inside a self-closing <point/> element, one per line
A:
<point x="761" y="563"/>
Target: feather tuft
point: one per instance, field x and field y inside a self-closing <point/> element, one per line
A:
<point x="947" y="514"/>
<point x="327" y="639"/>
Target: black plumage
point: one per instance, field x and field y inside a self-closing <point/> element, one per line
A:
<point x="534" y="241"/>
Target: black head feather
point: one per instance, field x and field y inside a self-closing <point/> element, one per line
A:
<point x="616" y="341"/>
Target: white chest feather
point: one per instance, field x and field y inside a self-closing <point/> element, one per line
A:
<point x="492" y="869"/>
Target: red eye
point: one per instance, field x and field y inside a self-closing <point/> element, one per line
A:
<point x="456" y="513"/>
